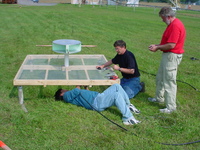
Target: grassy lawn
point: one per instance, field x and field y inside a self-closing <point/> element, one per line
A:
<point x="51" y="125"/>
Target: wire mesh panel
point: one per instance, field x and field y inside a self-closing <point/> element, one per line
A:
<point x="50" y="70"/>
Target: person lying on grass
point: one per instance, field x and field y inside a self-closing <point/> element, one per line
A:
<point x="112" y="96"/>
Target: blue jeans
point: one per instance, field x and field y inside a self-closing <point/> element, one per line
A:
<point x="131" y="86"/>
<point x="114" y="96"/>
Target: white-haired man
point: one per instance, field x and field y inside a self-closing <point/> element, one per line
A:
<point x="171" y="45"/>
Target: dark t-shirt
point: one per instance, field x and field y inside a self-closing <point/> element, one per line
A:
<point x="127" y="60"/>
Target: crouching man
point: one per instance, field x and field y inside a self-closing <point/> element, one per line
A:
<point x="112" y="96"/>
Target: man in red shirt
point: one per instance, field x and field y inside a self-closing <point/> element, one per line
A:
<point x="171" y="45"/>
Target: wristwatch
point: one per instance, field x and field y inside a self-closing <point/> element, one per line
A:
<point x="119" y="69"/>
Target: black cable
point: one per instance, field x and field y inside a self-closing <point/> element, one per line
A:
<point x="176" y="80"/>
<point x="193" y="58"/>
<point x="179" y="144"/>
<point x="188" y="84"/>
<point x="132" y="132"/>
<point x="147" y="72"/>
<point x="136" y="134"/>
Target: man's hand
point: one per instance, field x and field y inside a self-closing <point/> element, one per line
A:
<point x="100" y="67"/>
<point x="108" y="63"/>
<point x="116" y="67"/>
<point x="78" y="86"/>
<point x="164" y="47"/>
<point x="153" y="48"/>
<point x="86" y="88"/>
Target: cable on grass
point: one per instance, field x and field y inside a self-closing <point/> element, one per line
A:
<point x="176" y="80"/>
<point x="132" y="132"/>
<point x="193" y="58"/>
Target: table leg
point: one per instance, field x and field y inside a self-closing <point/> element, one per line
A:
<point x="21" y="98"/>
<point x="20" y="95"/>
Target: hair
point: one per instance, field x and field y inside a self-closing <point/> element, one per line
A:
<point x="58" y="96"/>
<point x="119" y="43"/>
<point x="166" y="12"/>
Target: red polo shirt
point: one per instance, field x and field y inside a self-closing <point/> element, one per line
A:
<point x="174" y="33"/>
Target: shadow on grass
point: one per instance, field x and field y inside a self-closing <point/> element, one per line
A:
<point x="41" y="94"/>
<point x="13" y="92"/>
<point x="142" y="99"/>
<point x="114" y="111"/>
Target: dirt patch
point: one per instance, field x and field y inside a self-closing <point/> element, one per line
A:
<point x="55" y="1"/>
<point x="30" y="2"/>
<point x="191" y="15"/>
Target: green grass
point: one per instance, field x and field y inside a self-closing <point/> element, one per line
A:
<point x="51" y="125"/>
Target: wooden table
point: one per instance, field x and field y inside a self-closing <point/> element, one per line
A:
<point x="50" y="70"/>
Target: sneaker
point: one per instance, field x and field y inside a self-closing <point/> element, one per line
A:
<point x="133" y="109"/>
<point x="143" y="87"/>
<point x="131" y="122"/>
<point x="166" y="110"/>
<point x="152" y="99"/>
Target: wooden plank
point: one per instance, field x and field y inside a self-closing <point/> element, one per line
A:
<point x="49" y="67"/>
<point x="61" y="56"/>
<point x="81" y="45"/>
<point x="64" y="82"/>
